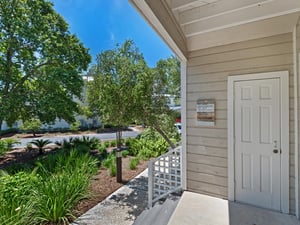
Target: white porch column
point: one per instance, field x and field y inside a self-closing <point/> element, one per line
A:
<point x="183" y="123"/>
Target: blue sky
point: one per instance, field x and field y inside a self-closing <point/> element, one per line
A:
<point x="101" y="24"/>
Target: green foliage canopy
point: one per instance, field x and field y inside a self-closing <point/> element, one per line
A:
<point x="117" y="84"/>
<point x="125" y="89"/>
<point x="40" y="63"/>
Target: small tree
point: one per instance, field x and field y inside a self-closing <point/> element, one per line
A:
<point x="113" y="93"/>
<point x="32" y="125"/>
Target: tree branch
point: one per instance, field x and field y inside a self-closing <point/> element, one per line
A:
<point x="24" y="78"/>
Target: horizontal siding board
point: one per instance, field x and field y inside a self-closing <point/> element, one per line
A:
<point x="209" y="86"/>
<point x="262" y="51"/>
<point x="206" y="178"/>
<point x="208" y="132"/>
<point x="286" y="59"/>
<point x="222" y="76"/>
<point x="207" y="160"/>
<point x="207" y="150"/>
<point x="207" y="169"/>
<point x="223" y="196"/>
<point x="207" y="141"/>
<point x="284" y="38"/>
<point x="211" y="188"/>
<point x="219" y="95"/>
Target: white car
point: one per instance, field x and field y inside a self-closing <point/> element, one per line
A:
<point x="178" y="127"/>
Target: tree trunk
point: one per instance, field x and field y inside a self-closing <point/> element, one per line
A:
<point x="119" y="136"/>
<point x="165" y="137"/>
<point x="1" y="121"/>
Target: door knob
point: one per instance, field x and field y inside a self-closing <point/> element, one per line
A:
<point x="275" y="151"/>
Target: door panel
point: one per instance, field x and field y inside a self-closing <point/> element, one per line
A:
<point x="257" y="134"/>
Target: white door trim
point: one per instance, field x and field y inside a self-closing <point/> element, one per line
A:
<point x="284" y="102"/>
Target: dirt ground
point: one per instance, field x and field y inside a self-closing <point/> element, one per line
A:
<point x="102" y="184"/>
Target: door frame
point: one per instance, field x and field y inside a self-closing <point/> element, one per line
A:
<point x="284" y="134"/>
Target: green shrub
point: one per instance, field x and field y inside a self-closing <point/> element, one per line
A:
<point x="133" y="163"/>
<point x="10" y="142"/>
<point x="125" y="153"/>
<point x="128" y="141"/>
<point x="110" y="160"/>
<point x="7" y="144"/>
<point x="113" y="143"/>
<point x="48" y="193"/>
<point x="149" y="144"/>
<point x="75" y="126"/>
<point x="57" y="195"/>
<point x="113" y="170"/>
<point x="16" y="206"/>
<point x="106" y="144"/>
<point x="28" y="147"/>
<point x="41" y="144"/>
<point x="92" y="143"/>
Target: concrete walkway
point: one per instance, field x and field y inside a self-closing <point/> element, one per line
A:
<point x="197" y="209"/>
<point x="122" y="207"/>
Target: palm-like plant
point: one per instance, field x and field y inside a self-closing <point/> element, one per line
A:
<point x="41" y="143"/>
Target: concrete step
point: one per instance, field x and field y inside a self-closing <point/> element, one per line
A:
<point x="160" y="213"/>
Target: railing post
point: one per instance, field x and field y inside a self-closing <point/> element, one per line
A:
<point x="150" y="183"/>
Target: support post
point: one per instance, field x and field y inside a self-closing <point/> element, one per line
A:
<point x="119" y="165"/>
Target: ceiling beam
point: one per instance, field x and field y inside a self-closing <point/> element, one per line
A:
<point x="182" y="4"/>
<point x="243" y="16"/>
<point x="259" y="29"/>
<point x="216" y="9"/>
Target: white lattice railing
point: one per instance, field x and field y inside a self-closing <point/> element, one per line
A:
<point x="164" y="175"/>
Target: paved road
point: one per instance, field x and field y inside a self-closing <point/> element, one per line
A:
<point x="102" y="136"/>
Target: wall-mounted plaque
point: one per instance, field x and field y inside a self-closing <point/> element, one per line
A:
<point x="206" y="115"/>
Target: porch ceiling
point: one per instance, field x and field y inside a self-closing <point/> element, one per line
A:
<point x="196" y="24"/>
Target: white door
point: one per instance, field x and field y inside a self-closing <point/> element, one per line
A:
<point x="257" y="142"/>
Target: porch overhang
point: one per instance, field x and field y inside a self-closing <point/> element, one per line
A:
<point x="189" y="25"/>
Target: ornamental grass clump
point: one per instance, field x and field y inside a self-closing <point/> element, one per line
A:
<point x="48" y="193"/>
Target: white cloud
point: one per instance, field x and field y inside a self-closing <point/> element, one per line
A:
<point x="118" y="4"/>
<point x="112" y="36"/>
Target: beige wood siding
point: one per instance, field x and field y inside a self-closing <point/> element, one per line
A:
<point x="298" y="67"/>
<point x="207" y="73"/>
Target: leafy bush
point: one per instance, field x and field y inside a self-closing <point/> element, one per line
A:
<point x="133" y="163"/>
<point x="125" y="153"/>
<point x="102" y="151"/>
<point x="149" y="144"/>
<point x="128" y="141"/>
<point x="75" y="126"/>
<point x="113" y="143"/>
<point x="28" y="147"/>
<point x="91" y="143"/>
<point x="10" y="142"/>
<point x="6" y="145"/>
<point x="111" y="159"/>
<point x="113" y="170"/>
<point x="106" y="144"/>
<point x="32" y="125"/>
